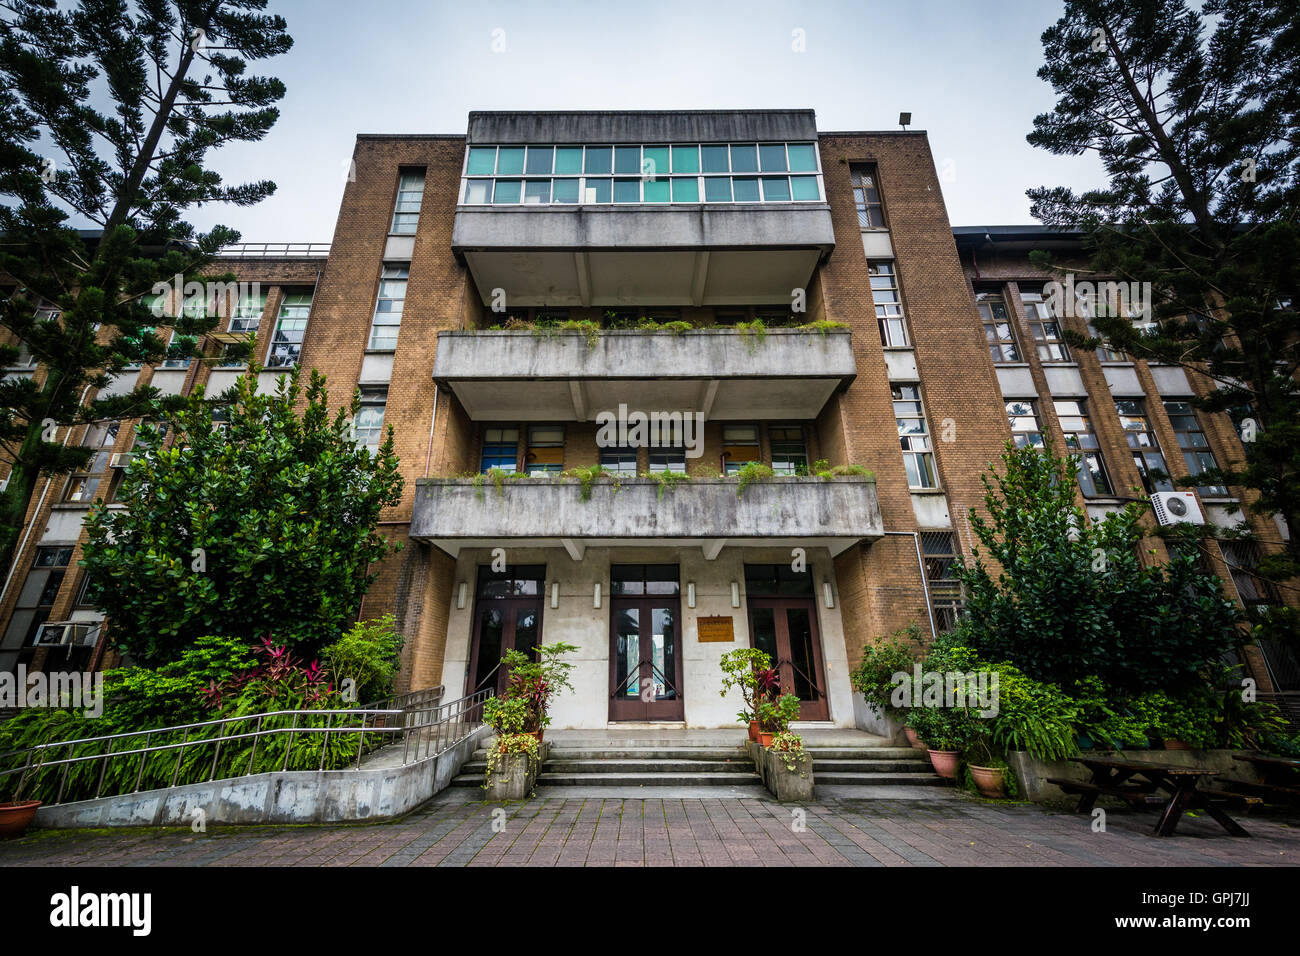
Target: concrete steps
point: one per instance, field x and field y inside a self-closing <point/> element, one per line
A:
<point x="636" y="760"/>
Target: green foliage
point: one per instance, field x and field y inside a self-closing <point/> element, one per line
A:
<point x="740" y="670"/>
<point x="1074" y="598"/>
<point x="823" y="470"/>
<point x="821" y="326"/>
<point x="367" y="654"/>
<point x="873" y="677"/>
<point x="790" y="747"/>
<point x="537" y="679"/>
<point x="587" y="478"/>
<point x="667" y="480"/>
<point x="506" y="715"/>
<point x="754" y="333"/>
<point x="1032" y="716"/>
<point x="267" y="525"/>
<point x="775" y="714"/>
<point x="109" y="114"/>
<point x="751" y="472"/>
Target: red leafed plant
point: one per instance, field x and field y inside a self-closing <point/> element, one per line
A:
<point x="280" y="682"/>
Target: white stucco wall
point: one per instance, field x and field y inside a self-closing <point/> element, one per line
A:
<point x="576" y="621"/>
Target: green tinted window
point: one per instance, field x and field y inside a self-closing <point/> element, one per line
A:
<point x="803" y="158"/>
<point x="568" y="160"/>
<point x="482" y="160"/>
<point x="510" y="160"/>
<point x="686" y="159"/>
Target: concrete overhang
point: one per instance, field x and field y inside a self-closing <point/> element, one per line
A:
<point x="642" y="255"/>
<point x="725" y="374"/>
<point x="457" y="513"/>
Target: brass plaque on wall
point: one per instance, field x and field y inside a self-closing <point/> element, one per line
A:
<point x="715" y="630"/>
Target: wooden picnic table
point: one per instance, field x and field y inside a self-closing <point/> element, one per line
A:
<point x="1136" y="781"/>
<point x="1279" y="776"/>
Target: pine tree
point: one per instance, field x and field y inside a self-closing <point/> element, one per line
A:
<point x="174" y="73"/>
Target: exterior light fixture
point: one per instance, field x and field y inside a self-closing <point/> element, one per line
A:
<point x="460" y="594"/>
<point x="828" y="594"/>
<point x="555" y="594"/>
<point x="690" y="594"/>
<point x="905" y="120"/>
<point x="735" y="594"/>
<point x="595" y="597"/>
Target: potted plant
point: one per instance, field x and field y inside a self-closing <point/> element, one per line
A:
<point x="874" y="677"/>
<point x="786" y="767"/>
<point x="513" y="762"/>
<point x="741" y="671"/>
<point x="1173" y="723"/>
<point x="16" y="815"/>
<point x="987" y="766"/>
<point x="774" y="716"/>
<point x="537" y="681"/>
<point x="946" y="732"/>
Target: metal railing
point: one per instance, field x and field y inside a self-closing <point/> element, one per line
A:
<point x="424" y="725"/>
<point x="275" y="250"/>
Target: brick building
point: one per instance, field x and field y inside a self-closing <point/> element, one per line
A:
<point x="552" y="291"/>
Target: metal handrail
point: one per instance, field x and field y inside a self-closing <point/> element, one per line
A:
<point x="261" y="250"/>
<point x="426" y="730"/>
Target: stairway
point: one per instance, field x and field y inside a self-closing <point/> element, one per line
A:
<point x="665" y="761"/>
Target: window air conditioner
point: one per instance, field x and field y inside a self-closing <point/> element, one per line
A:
<point x="121" y="459"/>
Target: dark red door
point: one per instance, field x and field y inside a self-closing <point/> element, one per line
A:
<point x="507" y="616"/>
<point x="785" y="628"/>
<point x="645" y="658"/>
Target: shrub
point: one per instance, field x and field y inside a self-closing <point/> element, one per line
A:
<point x="873" y="678"/>
<point x="1032" y="716"/>
<point x="367" y="655"/>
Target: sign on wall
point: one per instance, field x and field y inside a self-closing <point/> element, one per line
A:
<point x="715" y="630"/>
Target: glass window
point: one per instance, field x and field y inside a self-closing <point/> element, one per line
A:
<point x="744" y="158"/>
<point x="482" y="160"/>
<point x="1022" y="416"/>
<point x="545" y="454"/>
<point x="84" y="482"/>
<point x="1193" y="444"/>
<point x="739" y="446"/>
<point x="600" y="159"/>
<point x="717" y="189"/>
<point x="1080" y="440"/>
<point x="477" y="191"/>
<point x="1242" y="559"/>
<point x="568" y="160"/>
<point x="803" y="157"/>
<point x="654" y="161"/>
<point x="619" y="461"/>
<point x="290" y="327"/>
<point x="804" y="189"/>
<point x="627" y="160"/>
<point x="388" y="307"/>
<point x="789" y="450"/>
<point x="510" y="160"/>
<point x="539" y="160"/>
<point x="636" y="579"/>
<point x="686" y="159"/>
<point x="247" y="314"/>
<point x="940" y="550"/>
<point x="410" y="196"/>
<point x="537" y="192"/>
<point x="889" y="308"/>
<point x="36" y="599"/>
<point x="686" y="189"/>
<point x="369" y="423"/>
<point x="914" y="437"/>
<point x="998" y="334"/>
<point x="564" y="191"/>
<point x="500" y="449"/>
<point x="776" y="189"/>
<point x="1045" y="328"/>
<point x="627" y="190"/>
<point x="866" y="196"/>
<point x="771" y="157"/>
<point x="598" y="190"/>
<point x="179" y="341"/>
<point x="778" y="580"/>
<point x="1142" y="441"/>
<point x="655" y="190"/>
<point x="713" y="159"/>
<point x="745" y="189"/>
<point x="507" y="191"/>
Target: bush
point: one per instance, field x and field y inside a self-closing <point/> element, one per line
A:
<point x="367" y="654"/>
<point x="1033" y="716"/>
<point x="873" y="678"/>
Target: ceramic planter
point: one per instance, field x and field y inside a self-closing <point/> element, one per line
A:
<point x="944" y="763"/>
<point x="15" y="818"/>
<point x="989" y="781"/>
<point x="753" y="730"/>
<point x="914" y="739"/>
<point x="1174" y="744"/>
<point x="765" y="740"/>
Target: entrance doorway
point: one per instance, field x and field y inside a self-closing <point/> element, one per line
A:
<point x="783" y="624"/>
<point x="645" y="654"/>
<point x="507" y="616"/>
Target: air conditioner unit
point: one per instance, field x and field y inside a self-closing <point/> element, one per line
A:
<point x="1176" y="507"/>
<point x="121" y="459"/>
<point x="68" y="634"/>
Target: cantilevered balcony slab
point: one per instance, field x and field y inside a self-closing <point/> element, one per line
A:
<point x="720" y="254"/>
<point x="457" y="513"/>
<point x="725" y="374"/>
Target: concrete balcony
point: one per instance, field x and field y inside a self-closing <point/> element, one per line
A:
<point x="456" y="513"/>
<point x="725" y="374"/>
<point x="642" y="255"/>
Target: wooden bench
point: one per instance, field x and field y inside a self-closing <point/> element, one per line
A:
<point x="1138" y="782"/>
<point x="1134" y="795"/>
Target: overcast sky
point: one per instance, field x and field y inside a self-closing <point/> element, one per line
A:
<point x="964" y="69"/>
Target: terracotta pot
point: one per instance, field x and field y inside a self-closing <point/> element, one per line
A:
<point x="765" y="740"/>
<point x="989" y="781"/>
<point x="15" y="818"/>
<point x="753" y="730"/>
<point x="944" y="763"/>
<point x="1178" y="745"/>
<point x="538" y="734"/>
<point x="914" y="739"/>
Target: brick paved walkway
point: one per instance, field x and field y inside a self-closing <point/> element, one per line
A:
<point x="559" y="830"/>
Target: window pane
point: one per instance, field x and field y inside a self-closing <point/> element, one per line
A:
<point x="564" y="190"/>
<point x="714" y="159"/>
<point x="803" y="158"/>
<point x="539" y="160"/>
<point x="477" y="190"/>
<point x="598" y="190"/>
<point x="686" y="189"/>
<point x="744" y="159"/>
<point x="776" y="189"/>
<point x="717" y="189"/>
<point x="745" y="189"/>
<point x="507" y="190"/>
<point x="537" y="191"/>
<point x="510" y="160"/>
<point x="627" y="190"/>
<point x="482" y="160"/>
<point x="655" y="191"/>
<point x="686" y="159"/>
<point x="804" y="187"/>
<point x="568" y="160"/>
<point x="627" y="159"/>
<point x="599" y="160"/>
<point x="772" y="157"/>
<point x="654" y="161"/>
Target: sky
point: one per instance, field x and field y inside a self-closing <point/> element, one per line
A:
<point x="965" y="69"/>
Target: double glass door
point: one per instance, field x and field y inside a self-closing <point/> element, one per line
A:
<point x="507" y="616"/>
<point x="783" y="624"/>
<point x="645" y="673"/>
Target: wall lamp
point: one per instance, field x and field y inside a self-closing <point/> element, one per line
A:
<point x="735" y="594"/>
<point x="461" y="590"/>
<point x="690" y="594"/>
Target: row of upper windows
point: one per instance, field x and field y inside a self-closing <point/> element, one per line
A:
<point x="573" y="175"/>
